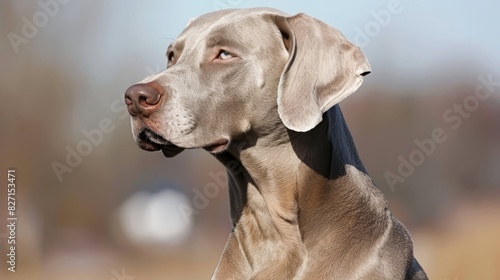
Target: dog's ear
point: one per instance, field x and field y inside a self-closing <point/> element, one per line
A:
<point x="322" y="70"/>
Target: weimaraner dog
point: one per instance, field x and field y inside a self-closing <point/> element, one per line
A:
<point x="259" y="89"/>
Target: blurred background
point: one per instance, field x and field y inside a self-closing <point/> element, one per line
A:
<point x="92" y="205"/>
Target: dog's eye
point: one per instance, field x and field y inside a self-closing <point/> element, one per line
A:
<point x="223" y="54"/>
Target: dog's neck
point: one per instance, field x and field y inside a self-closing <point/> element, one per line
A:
<point x="275" y="169"/>
<point x="290" y="192"/>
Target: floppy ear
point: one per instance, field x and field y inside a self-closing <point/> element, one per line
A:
<point x="323" y="69"/>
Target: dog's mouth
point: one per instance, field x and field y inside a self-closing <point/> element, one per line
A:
<point x="151" y="141"/>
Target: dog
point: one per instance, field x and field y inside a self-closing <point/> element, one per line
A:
<point x="259" y="89"/>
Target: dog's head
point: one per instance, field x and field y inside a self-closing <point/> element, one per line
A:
<point x="235" y="71"/>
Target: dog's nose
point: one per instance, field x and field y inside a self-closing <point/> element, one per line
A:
<point x="142" y="99"/>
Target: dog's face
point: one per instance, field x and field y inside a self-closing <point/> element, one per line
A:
<point x="217" y="84"/>
<point x="228" y="72"/>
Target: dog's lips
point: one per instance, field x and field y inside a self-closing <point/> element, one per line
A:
<point x="168" y="149"/>
<point x="149" y="140"/>
<point x="217" y="146"/>
<point x="149" y="146"/>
